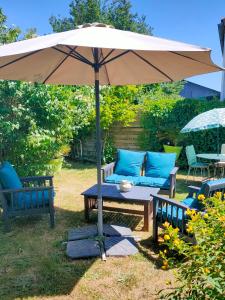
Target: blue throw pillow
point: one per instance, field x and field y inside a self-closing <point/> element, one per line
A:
<point x="8" y="177"/>
<point x="129" y="163"/>
<point x="159" y="164"/>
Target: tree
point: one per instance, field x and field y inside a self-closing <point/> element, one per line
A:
<point x="7" y="34"/>
<point x="115" y="12"/>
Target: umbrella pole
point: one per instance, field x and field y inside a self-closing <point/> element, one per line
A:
<point x="98" y="145"/>
<point x="218" y="146"/>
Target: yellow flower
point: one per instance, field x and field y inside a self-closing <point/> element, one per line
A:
<point x="195" y="217"/>
<point x="190" y="229"/>
<point x="206" y="270"/>
<point x="166" y="237"/>
<point x="218" y="195"/>
<point x="176" y="229"/>
<point x="222" y="219"/>
<point x="164" y="267"/>
<point x="206" y="216"/>
<point x="176" y="242"/>
<point x="201" y="197"/>
<point x="165" y="263"/>
<point x="166" y="224"/>
<point x="165" y="251"/>
<point x="190" y="212"/>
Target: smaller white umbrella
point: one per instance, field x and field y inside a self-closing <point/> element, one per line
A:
<point x="210" y="119"/>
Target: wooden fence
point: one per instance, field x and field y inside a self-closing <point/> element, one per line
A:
<point x="123" y="137"/>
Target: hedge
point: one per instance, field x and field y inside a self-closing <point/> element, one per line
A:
<point x="163" y="119"/>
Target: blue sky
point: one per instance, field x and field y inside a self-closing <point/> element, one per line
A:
<point x="191" y="21"/>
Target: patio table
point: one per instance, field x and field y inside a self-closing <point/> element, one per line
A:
<point x="110" y="192"/>
<point x="212" y="156"/>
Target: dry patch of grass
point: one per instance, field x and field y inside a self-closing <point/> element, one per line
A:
<point x="33" y="264"/>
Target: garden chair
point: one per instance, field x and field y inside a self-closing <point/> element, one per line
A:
<point x="174" y="212"/>
<point x="25" y="196"/>
<point x="193" y="164"/>
<point x="219" y="167"/>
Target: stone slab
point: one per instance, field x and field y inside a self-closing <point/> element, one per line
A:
<point x="115" y="230"/>
<point x="83" y="249"/>
<point x="120" y="246"/>
<point x="82" y="233"/>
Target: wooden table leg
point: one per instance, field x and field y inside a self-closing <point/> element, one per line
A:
<point x="147" y="211"/>
<point x="86" y="208"/>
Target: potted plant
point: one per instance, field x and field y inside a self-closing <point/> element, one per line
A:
<point x="170" y="140"/>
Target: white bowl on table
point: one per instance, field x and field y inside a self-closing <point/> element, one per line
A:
<point x="125" y="186"/>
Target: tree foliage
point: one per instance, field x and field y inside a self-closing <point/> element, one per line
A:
<point x="37" y="122"/>
<point x="7" y="34"/>
<point x="115" y="12"/>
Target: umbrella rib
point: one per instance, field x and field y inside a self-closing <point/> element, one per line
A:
<point x="110" y="52"/>
<point x="105" y="65"/>
<point x="185" y="56"/>
<point x="73" y="56"/>
<point x="150" y="64"/>
<point x="58" y="66"/>
<point x="115" y="57"/>
<point x="79" y="55"/>
<point x="20" y="58"/>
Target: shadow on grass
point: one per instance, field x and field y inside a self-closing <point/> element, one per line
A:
<point x="33" y="260"/>
<point x="131" y="221"/>
<point x="32" y="256"/>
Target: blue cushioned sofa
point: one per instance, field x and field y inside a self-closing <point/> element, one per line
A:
<point x="174" y="212"/>
<point x="25" y="196"/>
<point x="153" y="169"/>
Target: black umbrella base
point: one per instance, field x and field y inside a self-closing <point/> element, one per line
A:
<point x="84" y="243"/>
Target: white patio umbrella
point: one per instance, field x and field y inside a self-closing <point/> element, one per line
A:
<point x="210" y="119"/>
<point x="98" y="54"/>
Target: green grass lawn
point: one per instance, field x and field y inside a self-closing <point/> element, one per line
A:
<point x="33" y="264"/>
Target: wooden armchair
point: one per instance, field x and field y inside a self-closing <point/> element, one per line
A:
<point x="166" y="209"/>
<point x="35" y="197"/>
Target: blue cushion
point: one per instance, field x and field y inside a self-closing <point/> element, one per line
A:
<point x="215" y="182"/>
<point x="31" y="199"/>
<point x="159" y="164"/>
<point x="116" y="179"/>
<point x="199" y="164"/>
<point x="192" y="203"/>
<point x="154" y="182"/>
<point x="129" y="163"/>
<point x="205" y="186"/>
<point x="172" y="218"/>
<point x="8" y="177"/>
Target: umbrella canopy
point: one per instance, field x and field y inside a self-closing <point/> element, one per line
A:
<point x="210" y="119"/>
<point x="125" y="58"/>
<point x="98" y="54"/>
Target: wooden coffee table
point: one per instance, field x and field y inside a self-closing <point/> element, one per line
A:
<point x="110" y="192"/>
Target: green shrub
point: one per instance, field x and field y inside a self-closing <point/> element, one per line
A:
<point x="163" y="119"/>
<point x="36" y="123"/>
<point x="201" y="266"/>
<point x="109" y="151"/>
